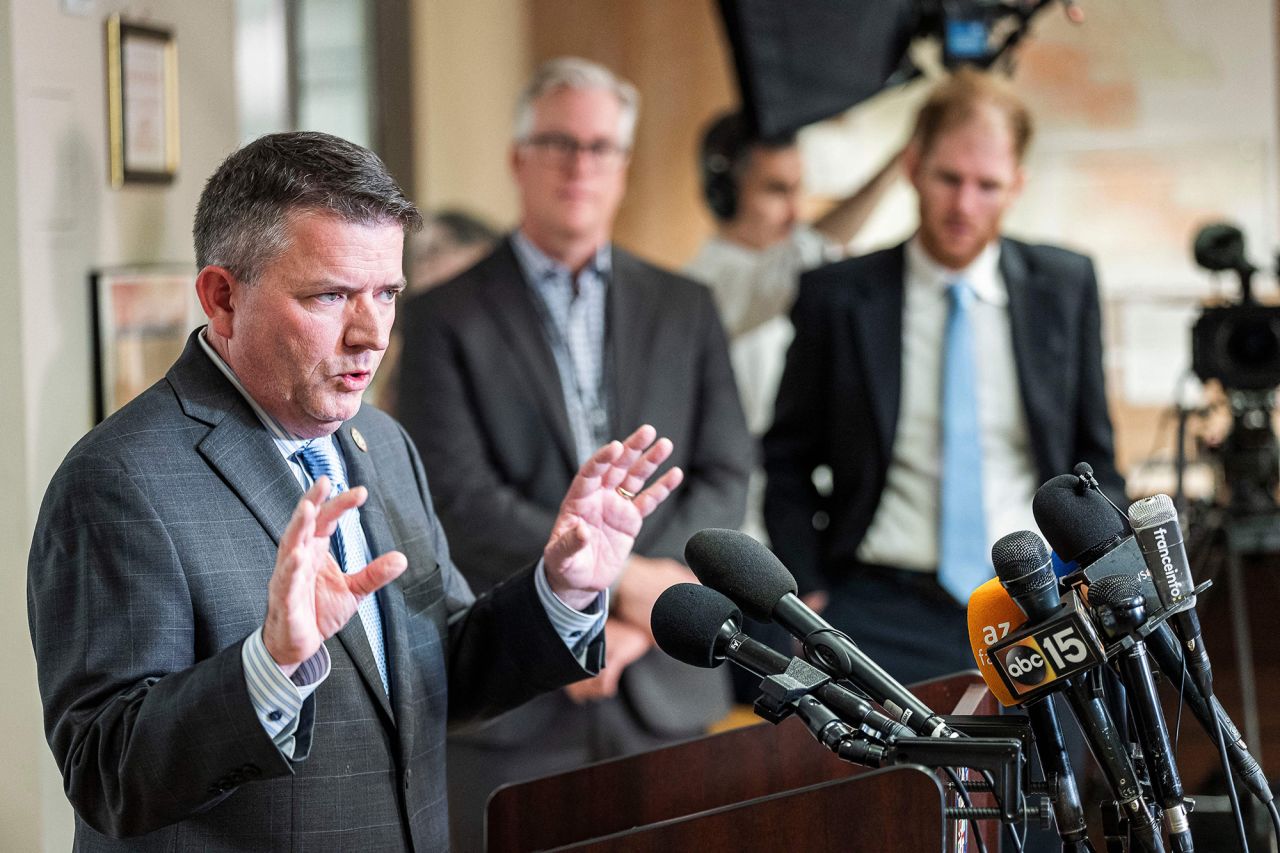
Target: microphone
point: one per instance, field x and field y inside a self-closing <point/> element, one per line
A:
<point x="1155" y="525"/>
<point x="749" y="574"/>
<point x="1121" y="610"/>
<point x="992" y="614"/>
<point x="697" y="625"/>
<point x="1026" y="572"/>
<point x="1077" y="521"/>
<point x="1059" y="640"/>
<point x="1022" y="563"/>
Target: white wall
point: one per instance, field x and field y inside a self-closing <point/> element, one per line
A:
<point x="59" y="219"/>
<point x="22" y="756"/>
<point x="471" y="58"/>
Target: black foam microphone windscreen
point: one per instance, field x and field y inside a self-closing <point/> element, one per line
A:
<point x="686" y="621"/>
<point x="1077" y="522"/>
<point x="741" y="568"/>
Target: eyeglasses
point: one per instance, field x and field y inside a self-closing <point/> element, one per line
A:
<point x="562" y="150"/>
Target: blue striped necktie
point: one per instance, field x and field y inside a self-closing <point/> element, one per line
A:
<point x="963" y="562"/>
<point x="320" y="459"/>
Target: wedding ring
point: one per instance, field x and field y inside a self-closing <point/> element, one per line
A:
<point x="628" y="495"/>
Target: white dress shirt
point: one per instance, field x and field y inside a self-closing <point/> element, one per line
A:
<point x="904" y="530"/>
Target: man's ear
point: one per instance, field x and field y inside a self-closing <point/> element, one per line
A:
<point x="1019" y="181"/>
<point x="513" y="159"/>
<point x="911" y="157"/>
<point x="217" y="289"/>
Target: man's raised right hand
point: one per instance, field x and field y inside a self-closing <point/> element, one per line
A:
<point x="309" y="598"/>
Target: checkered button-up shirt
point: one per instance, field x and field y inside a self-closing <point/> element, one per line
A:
<point x="573" y="317"/>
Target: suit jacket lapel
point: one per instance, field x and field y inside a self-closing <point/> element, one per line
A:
<point x="237" y="446"/>
<point x="513" y="309"/>
<point x="1039" y="331"/>
<point x="377" y="531"/>
<point x="628" y="352"/>
<point x="876" y="307"/>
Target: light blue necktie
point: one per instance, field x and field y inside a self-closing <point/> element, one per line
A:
<point x="963" y="561"/>
<point x="321" y="460"/>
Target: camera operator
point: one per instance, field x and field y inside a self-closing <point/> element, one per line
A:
<point x="753" y="188"/>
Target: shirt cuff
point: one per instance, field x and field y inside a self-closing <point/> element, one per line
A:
<point x="576" y="627"/>
<point x="277" y="698"/>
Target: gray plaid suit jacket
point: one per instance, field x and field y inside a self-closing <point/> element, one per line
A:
<point x="148" y="569"/>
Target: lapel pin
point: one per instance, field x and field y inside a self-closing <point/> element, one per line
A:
<point x="358" y="438"/>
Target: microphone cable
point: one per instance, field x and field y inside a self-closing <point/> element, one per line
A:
<point x="963" y="793"/>
<point x="1221" y="745"/>
<point x="1231" y="787"/>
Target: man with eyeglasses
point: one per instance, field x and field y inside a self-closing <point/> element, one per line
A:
<point x="512" y="372"/>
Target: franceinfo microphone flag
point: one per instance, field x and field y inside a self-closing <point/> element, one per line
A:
<point x="1155" y="525"/>
<point x="740" y="567"/>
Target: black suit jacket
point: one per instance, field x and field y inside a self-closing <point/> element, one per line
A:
<point x="149" y="568"/>
<point x="839" y="397"/>
<point x="480" y="395"/>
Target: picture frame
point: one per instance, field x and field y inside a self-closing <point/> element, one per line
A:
<point x="142" y="102"/>
<point x="142" y="316"/>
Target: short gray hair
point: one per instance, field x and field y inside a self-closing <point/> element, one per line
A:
<point x="572" y="72"/>
<point x="242" y="216"/>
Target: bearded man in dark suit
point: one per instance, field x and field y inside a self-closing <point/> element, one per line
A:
<point x="929" y="390"/>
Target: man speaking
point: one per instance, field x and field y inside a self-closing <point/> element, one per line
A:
<point x="248" y="630"/>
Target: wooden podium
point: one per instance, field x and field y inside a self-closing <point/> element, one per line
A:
<point x="761" y="787"/>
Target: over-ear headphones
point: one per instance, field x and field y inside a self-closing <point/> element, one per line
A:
<point x="725" y="143"/>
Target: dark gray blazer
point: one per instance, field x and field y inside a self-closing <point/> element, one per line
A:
<point x="148" y="569"/>
<point x="481" y="397"/>
<point x="838" y="400"/>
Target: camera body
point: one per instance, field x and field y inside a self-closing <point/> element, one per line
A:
<point x="1238" y="345"/>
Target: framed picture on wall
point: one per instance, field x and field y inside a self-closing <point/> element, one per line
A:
<point x="142" y="102"/>
<point x="141" y="319"/>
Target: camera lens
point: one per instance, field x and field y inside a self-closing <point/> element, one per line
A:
<point x="1252" y="343"/>
<point x="1238" y="345"/>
